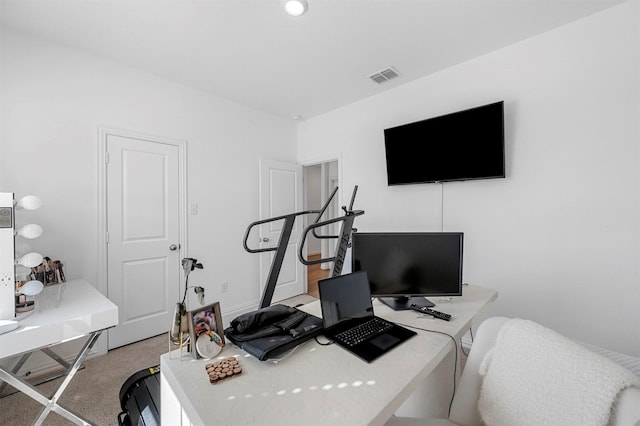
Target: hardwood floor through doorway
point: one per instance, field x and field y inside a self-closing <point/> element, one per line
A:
<point x="315" y="274"/>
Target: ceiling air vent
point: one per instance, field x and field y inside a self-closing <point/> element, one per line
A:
<point x="384" y="75"/>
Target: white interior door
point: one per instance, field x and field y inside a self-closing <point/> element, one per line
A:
<point x="143" y="247"/>
<point x="281" y="194"/>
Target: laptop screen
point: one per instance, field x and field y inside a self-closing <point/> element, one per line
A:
<point x="345" y="297"/>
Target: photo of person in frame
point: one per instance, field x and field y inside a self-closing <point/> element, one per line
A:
<point x="205" y="330"/>
<point x="204" y="321"/>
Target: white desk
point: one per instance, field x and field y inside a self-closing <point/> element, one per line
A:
<point x="316" y="385"/>
<point x="63" y="312"/>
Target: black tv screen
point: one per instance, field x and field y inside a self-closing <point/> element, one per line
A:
<point x="404" y="268"/>
<point x="463" y="145"/>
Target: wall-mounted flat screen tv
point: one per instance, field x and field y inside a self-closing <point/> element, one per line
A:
<point x="463" y="145"/>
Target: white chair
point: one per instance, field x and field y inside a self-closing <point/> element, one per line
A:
<point x="464" y="408"/>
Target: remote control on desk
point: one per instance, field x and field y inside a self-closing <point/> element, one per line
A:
<point x="429" y="311"/>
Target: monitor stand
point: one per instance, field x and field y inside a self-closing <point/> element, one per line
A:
<point x="403" y="303"/>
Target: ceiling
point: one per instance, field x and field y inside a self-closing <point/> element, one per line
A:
<point x="251" y="52"/>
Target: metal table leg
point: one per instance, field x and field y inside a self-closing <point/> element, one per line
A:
<point x="23" y="359"/>
<point x="57" y="358"/>
<point x="14" y="370"/>
<point x="52" y="404"/>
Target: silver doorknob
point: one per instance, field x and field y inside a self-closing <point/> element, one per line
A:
<point x="173" y="247"/>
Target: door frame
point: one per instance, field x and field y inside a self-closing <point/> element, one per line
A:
<point x="321" y="160"/>
<point x="101" y="346"/>
<point x="316" y="161"/>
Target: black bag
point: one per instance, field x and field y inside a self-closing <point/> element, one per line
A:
<point x="271" y="331"/>
<point x="140" y="399"/>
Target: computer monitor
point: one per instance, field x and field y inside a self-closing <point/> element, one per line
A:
<point x="406" y="267"/>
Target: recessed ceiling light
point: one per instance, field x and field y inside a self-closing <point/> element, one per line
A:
<point x="296" y="7"/>
<point x="297" y="117"/>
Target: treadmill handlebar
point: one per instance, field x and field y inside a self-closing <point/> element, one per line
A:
<point x="303" y="239"/>
<point x="286" y="217"/>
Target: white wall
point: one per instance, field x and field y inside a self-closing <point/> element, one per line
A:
<point x="558" y="238"/>
<point x="55" y="98"/>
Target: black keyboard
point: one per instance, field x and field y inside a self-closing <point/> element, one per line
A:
<point x="364" y="331"/>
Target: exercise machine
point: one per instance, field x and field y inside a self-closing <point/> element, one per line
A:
<point x="285" y="236"/>
<point x="345" y="237"/>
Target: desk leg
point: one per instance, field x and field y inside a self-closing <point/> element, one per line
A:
<point x="15" y="369"/>
<point x="24" y="359"/>
<point x="57" y="358"/>
<point x="52" y="404"/>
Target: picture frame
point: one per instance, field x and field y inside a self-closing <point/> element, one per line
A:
<point x="206" y="331"/>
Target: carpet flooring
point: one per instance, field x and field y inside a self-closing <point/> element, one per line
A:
<point x="93" y="392"/>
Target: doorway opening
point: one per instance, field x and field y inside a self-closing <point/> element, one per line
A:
<point x="320" y="179"/>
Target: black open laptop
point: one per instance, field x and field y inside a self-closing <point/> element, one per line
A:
<point x="347" y="311"/>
